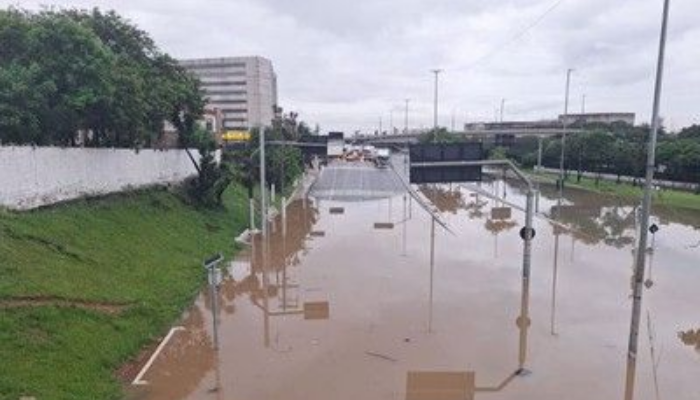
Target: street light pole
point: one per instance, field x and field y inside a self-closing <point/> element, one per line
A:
<point x="503" y="104"/>
<point x="435" y="100"/>
<point x="263" y="183"/>
<point x="391" y="122"/>
<point x="640" y="254"/>
<point x="405" y="118"/>
<point x="565" y="124"/>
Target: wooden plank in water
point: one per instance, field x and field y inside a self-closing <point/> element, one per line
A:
<point x="316" y="310"/>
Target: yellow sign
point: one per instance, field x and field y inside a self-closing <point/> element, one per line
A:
<point x="236" y="136"/>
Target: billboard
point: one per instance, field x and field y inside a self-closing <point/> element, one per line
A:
<point x="444" y="153"/>
<point x="235" y="136"/>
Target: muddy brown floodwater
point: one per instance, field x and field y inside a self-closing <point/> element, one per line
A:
<point x="341" y="310"/>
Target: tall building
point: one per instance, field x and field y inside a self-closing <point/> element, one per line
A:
<point x="243" y="89"/>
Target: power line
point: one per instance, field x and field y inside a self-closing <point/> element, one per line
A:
<point x="515" y="37"/>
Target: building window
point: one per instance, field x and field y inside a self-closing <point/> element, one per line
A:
<point x="230" y="102"/>
<point x="225" y="92"/>
<point x="206" y="83"/>
<point x="198" y="66"/>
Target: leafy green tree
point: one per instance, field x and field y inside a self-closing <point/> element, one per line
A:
<point x="438" y="135"/>
<point x="690" y="132"/>
<point x="88" y="76"/>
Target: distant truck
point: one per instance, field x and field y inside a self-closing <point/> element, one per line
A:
<point x="336" y="144"/>
<point x="382" y="158"/>
<point x="369" y="152"/>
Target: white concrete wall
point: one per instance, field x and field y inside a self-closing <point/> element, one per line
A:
<point x="35" y="176"/>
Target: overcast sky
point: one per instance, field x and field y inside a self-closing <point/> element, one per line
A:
<point x="345" y="64"/>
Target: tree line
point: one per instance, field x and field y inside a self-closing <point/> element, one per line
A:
<point x="619" y="149"/>
<point x="69" y="76"/>
<point x="73" y="77"/>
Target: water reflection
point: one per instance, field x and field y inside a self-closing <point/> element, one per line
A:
<point x="425" y="385"/>
<point x="606" y="219"/>
<point x="179" y="379"/>
<point x="443" y="198"/>
<point x="378" y="301"/>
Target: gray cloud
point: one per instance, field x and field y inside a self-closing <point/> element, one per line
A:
<point x="346" y="64"/>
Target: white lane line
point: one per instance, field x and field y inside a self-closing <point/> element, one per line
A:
<point x="139" y="378"/>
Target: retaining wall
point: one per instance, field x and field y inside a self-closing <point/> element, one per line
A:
<point x="36" y="176"/>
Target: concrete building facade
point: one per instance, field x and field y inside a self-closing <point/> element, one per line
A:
<point x="243" y="89"/>
<point x="602" y="118"/>
<point x="571" y="120"/>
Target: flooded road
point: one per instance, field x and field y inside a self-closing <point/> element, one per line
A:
<point x="341" y="307"/>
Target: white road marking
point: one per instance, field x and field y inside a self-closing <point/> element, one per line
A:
<point x="139" y="378"/>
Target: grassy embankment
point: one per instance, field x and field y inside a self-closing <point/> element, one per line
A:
<point x="138" y="256"/>
<point x="663" y="197"/>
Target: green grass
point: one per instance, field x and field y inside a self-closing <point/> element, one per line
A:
<point x="143" y="249"/>
<point x="663" y="197"/>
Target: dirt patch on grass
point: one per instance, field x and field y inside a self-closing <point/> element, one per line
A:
<point x="19" y="302"/>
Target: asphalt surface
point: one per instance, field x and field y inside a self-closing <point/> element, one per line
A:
<point x="358" y="181"/>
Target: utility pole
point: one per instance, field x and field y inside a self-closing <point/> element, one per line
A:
<point x="405" y="118"/>
<point x="435" y="101"/>
<point x="380" y="126"/>
<point x="565" y="124"/>
<point x="391" y="122"/>
<point x="583" y="104"/>
<point x="640" y="254"/>
<point x="503" y="105"/>
<point x="263" y="183"/>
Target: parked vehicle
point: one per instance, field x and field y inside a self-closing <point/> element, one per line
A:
<point x="382" y="158"/>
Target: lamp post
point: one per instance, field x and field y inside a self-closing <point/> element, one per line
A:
<point x="405" y="117"/>
<point x="435" y="99"/>
<point x="640" y="254"/>
<point x="503" y="105"/>
<point x="565" y="124"/>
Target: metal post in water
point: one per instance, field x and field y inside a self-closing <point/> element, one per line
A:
<point x="405" y="222"/>
<point x="263" y="184"/>
<point x="640" y="254"/>
<point x="263" y="238"/>
<point x="284" y="216"/>
<point x="524" y="319"/>
<point x="251" y="207"/>
<point x="210" y="266"/>
<point x="555" y="278"/>
<point x="432" y="271"/>
<point x="212" y="294"/>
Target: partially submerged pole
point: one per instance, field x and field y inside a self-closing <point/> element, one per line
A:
<point x="432" y="272"/>
<point x="527" y="234"/>
<point x="640" y="254"/>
